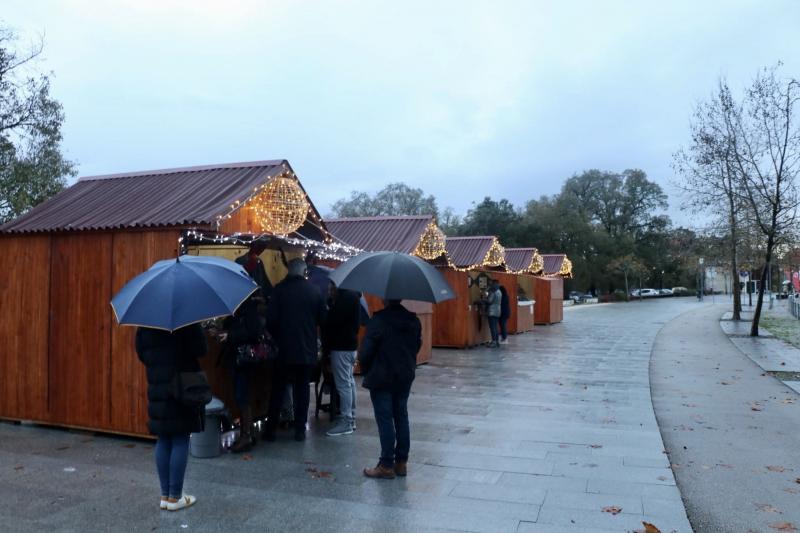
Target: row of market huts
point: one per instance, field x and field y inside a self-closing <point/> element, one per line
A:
<point x="64" y="360"/>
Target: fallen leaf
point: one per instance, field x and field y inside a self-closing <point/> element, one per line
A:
<point x="783" y="364"/>
<point x="650" y="528"/>
<point x="19" y="467"/>
<point x="797" y="480"/>
<point x="247" y="457"/>
<point x="783" y="526"/>
<point x="326" y="474"/>
<point x="723" y="465"/>
<point x="662" y="478"/>
<point x="788" y="400"/>
<point x="791" y="490"/>
<point x="724" y="383"/>
<point x="60" y="448"/>
<point x="755" y="407"/>
<point x="129" y="445"/>
<point x="612" y="509"/>
<point x="767" y="508"/>
<point x="595" y="446"/>
<point x="776" y="468"/>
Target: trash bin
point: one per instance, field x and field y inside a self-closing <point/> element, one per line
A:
<point x="208" y="443"/>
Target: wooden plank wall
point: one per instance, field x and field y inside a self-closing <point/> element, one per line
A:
<point x="457" y="323"/>
<point x="25" y="294"/>
<point x="549" y="300"/>
<point x="133" y="253"/>
<point x="80" y="330"/>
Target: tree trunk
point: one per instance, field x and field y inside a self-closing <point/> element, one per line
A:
<point x="737" y="292"/>
<point x="762" y="283"/>
<point x="627" y="292"/>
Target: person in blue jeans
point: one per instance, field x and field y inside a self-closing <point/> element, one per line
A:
<point x="163" y="354"/>
<point x="494" y="310"/>
<point x="388" y="360"/>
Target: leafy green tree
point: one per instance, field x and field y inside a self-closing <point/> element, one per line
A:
<point x="491" y="217"/>
<point x="32" y="167"/>
<point x="393" y="200"/>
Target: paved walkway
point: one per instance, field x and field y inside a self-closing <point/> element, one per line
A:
<point x="554" y="433"/>
<point x="730" y="428"/>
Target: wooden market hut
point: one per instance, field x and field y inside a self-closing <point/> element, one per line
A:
<point x="64" y="360"/>
<point x="460" y="323"/>
<point x="549" y="288"/>
<point x="526" y="263"/>
<point x="417" y="235"/>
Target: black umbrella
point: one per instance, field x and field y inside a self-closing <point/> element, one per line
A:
<point x="392" y="276"/>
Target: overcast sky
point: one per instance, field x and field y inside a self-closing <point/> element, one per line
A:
<point x="463" y="99"/>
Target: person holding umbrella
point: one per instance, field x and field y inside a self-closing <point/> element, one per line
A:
<point x="167" y="302"/>
<point x="388" y="353"/>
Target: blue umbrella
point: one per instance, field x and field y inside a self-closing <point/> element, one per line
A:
<point x="178" y="292"/>
<point x="393" y="276"/>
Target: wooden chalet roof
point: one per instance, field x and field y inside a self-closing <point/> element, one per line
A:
<point x="188" y="196"/>
<point x="380" y="234"/>
<point x="520" y="259"/>
<point x="469" y="251"/>
<point x="553" y="264"/>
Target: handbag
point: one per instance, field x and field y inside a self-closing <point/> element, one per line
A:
<point x="257" y="353"/>
<point x="191" y="388"/>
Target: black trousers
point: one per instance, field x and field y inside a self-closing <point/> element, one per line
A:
<point x="299" y="376"/>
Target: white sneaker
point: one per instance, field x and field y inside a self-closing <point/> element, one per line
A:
<point x="504" y="341"/>
<point x="162" y="504"/>
<point x="342" y="428"/>
<point x="181" y="503"/>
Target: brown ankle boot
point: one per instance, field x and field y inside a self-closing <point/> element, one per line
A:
<point x="380" y="472"/>
<point x="401" y="469"/>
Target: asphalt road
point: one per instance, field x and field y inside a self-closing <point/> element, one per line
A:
<point x="732" y="433"/>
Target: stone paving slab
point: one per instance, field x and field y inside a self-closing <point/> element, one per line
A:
<point x="741" y="328"/>
<point x="794" y="385"/>
<point x="772" y="355"/>
<point x="538" y="435"/>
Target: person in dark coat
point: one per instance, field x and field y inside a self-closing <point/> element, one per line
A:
<point x="505" y="313"/>
<point x="388" y="360"/>
<point x="246" y="326"/>
<point x="252" y="263"/>
<point x="340" y="342"/>
<point x="294" y="315"/>
<point x="164" y="354"/>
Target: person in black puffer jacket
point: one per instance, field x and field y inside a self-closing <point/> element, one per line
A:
<point x="388" y="360"/>
<point x="163" y="354"/>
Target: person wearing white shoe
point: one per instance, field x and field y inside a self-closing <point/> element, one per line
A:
<point x="163" y="354"/>
<point x="340" y="342"/>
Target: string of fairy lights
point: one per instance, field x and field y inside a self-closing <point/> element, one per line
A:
<point x="281" y="207"/>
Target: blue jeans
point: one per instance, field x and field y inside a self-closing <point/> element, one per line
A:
<point x="172" y="454"/>
<point x="342" y="367"/>
<point x="493" y="323"/>
<point x="391" y="416"/>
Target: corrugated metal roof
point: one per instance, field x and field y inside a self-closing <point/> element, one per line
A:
<point x="468" y="251"/>
<point x="552" y="263"/>
<point x="518" y="259"/>
<point x="170" y="197"/>
<point x="380" y="234"/>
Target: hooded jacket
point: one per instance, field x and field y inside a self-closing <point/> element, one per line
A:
<point x="388" y="354"/>
<point x="294" y="313"/>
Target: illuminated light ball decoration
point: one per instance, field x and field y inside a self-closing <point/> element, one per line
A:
<point x="537" y="263"/>
<point x="280" y="205"/>
<point x="566" y="268"/>
<point x="496" y="255"/>
<point x="432" y="243"/>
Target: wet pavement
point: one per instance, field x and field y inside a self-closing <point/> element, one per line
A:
<point x="731" y="429"/>
<point x="554" y="432"/>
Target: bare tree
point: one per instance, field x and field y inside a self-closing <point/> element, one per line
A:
<point x="763" y="135"/>
<point x="710" y="179"/>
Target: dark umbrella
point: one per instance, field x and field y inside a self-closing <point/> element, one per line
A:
<point x="393" y="276"/>
<point x="178" y="292"/>
<point x="320" y="277"/>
